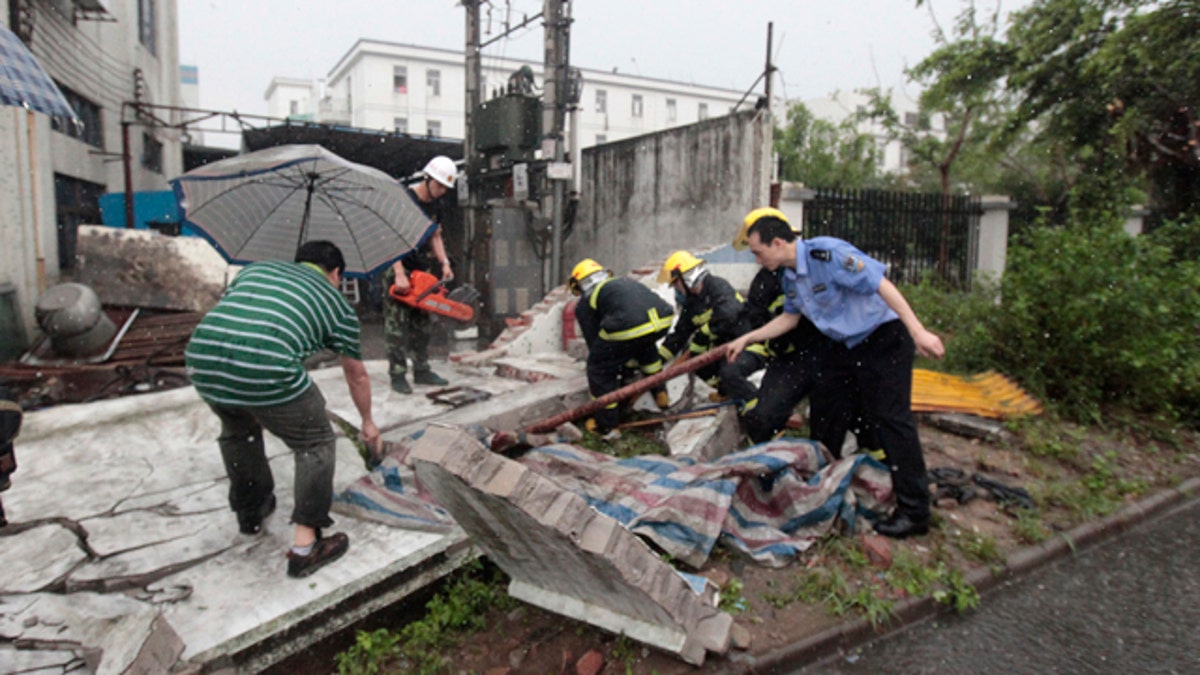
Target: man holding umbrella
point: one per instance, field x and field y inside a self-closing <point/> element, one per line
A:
<point x="246" y="360"/>
<point x="406" y="328"/>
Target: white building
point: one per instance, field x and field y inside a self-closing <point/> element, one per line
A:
<point x="420" y="91"/>
<point x="840" y="106"/>
<point x="102" y="54"/>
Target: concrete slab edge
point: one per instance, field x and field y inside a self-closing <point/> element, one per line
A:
<point x="851" y="634"/>
<point x="255" y="652"/>
<point x="658" y="635"/>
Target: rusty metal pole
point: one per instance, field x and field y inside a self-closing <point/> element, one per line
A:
<point x="126" y="165"/>
<point x="694" y="363"/>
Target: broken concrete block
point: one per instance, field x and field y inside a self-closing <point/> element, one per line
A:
<point x="111" y="633"/>
<point x="970" y="426"/>
<point x="706" y="438"/>
<point x="37" y="557"/>
<point x="565" y="556"/>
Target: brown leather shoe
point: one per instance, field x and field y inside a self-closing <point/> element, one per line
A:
<point x="324" y="551"/>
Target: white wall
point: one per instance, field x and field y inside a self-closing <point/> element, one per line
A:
<point x="29" y="254"/>
<point x="97" y="60"/>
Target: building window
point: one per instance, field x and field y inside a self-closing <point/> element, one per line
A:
<point x="91" y="131"/>
<point x="433" y="82"/>
<point x="601" y="138"/>
<point x="635" y="108"/>
<point x="601" y="101"/>
<point x="702" y="111"/>
<point x="401" y="124"/>
<point x="671" y="110"/>
<point x="435" y="129"/>
<point x="400" y="79"/>
<point x="152" y="153"/>
<point x="911" y="119"/>
<point x="293" y="108"/>
<point x="146" y="33"/>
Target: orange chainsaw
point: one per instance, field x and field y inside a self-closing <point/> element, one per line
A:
<point x="427" y="293"/>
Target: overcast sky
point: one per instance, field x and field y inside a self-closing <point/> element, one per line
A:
<point x="820" y="46"/>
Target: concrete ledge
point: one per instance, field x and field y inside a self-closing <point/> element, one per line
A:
<point x="857" y="632"/>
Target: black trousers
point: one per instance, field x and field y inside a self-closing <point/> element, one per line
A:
<point x="735" y="377"/>
<point x="875" y="376"/>
<point x="788" y="379"/>
<point x="606" y="363"/>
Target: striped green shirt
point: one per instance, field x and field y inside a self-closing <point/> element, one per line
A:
<point x="249" y="351"/>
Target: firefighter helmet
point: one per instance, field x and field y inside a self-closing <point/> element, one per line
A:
<point x="742" y="240"/>
<point x="682" y="265"/>
<point x="587" y="273"/>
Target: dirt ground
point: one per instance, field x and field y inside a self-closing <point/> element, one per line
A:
<point x="965" y="536"/>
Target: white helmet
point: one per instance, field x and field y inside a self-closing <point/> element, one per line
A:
<point x="441" y="169"/>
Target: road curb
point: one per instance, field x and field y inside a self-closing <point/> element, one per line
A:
<point x="850" y="634"/>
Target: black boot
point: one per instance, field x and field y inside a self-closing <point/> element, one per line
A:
<point x="901" y="525"/>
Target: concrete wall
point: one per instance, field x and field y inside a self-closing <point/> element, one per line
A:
<point x="683" y="188"/>
<point x="29" y="255"/>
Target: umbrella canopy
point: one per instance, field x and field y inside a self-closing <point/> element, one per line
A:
<point x="264" y="204"/>
<point x="24" y="84"/>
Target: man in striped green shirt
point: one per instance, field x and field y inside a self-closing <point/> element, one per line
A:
<point x="246" y="360"/>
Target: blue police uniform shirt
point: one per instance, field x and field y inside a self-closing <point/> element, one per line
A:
<point x="837" y="287"/>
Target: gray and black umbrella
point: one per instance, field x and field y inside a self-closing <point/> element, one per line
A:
<point x="262" y="205"/>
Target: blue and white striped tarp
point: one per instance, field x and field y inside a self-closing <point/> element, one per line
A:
<point x="771" y="501"/>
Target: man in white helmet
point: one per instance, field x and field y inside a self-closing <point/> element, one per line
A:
<point x="407" y="328"/>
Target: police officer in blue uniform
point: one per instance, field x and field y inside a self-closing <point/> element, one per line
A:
<point x="873" y="334"/>
<point x="790" y="360"/>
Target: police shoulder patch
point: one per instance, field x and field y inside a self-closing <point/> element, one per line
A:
<point x="819" y="254"/>
<point x="853" y="264"/>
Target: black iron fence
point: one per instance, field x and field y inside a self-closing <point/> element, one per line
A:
<point x="913" y="233"/>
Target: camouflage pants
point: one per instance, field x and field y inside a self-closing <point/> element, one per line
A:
<point x="406" y="330"/>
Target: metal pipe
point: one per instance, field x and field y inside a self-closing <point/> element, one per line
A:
<point x="627" y="392"/>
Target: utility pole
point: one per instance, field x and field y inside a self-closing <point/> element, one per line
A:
<point x="557" y="17"/>
<point x="770" y="68"/>
<point x="473" y="202"/>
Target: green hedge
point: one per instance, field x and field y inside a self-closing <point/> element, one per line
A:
<point x="1086" y="318"/>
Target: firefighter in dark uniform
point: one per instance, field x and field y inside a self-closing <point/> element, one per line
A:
<point x="867" y="365"/>
<point x="622" y="322"/>
<point x="711" y="315"/>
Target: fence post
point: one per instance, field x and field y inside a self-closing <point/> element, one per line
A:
<point x="992" y="245"/>
<point x="791" y="201"/>
<point x="1135" y="222"/>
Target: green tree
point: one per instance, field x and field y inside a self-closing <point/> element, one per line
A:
<point x="1115" y="82"/>
<point x="823" y="154"/>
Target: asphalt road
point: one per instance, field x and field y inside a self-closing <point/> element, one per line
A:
<point x="1128" y="605"/>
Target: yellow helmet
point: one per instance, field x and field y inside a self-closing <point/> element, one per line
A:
<point x="742" y="240"/>
<point x="584" y="269"/>
<point x="678" y="265"/>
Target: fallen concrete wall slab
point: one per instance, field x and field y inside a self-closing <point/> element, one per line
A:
<point x="105" y="633"/>
<point x="562" y="554"/>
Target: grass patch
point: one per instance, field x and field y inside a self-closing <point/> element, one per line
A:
<point x="459" y="610"/>
<point x="979" y="547"/>
<point x="938" y="580"/>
